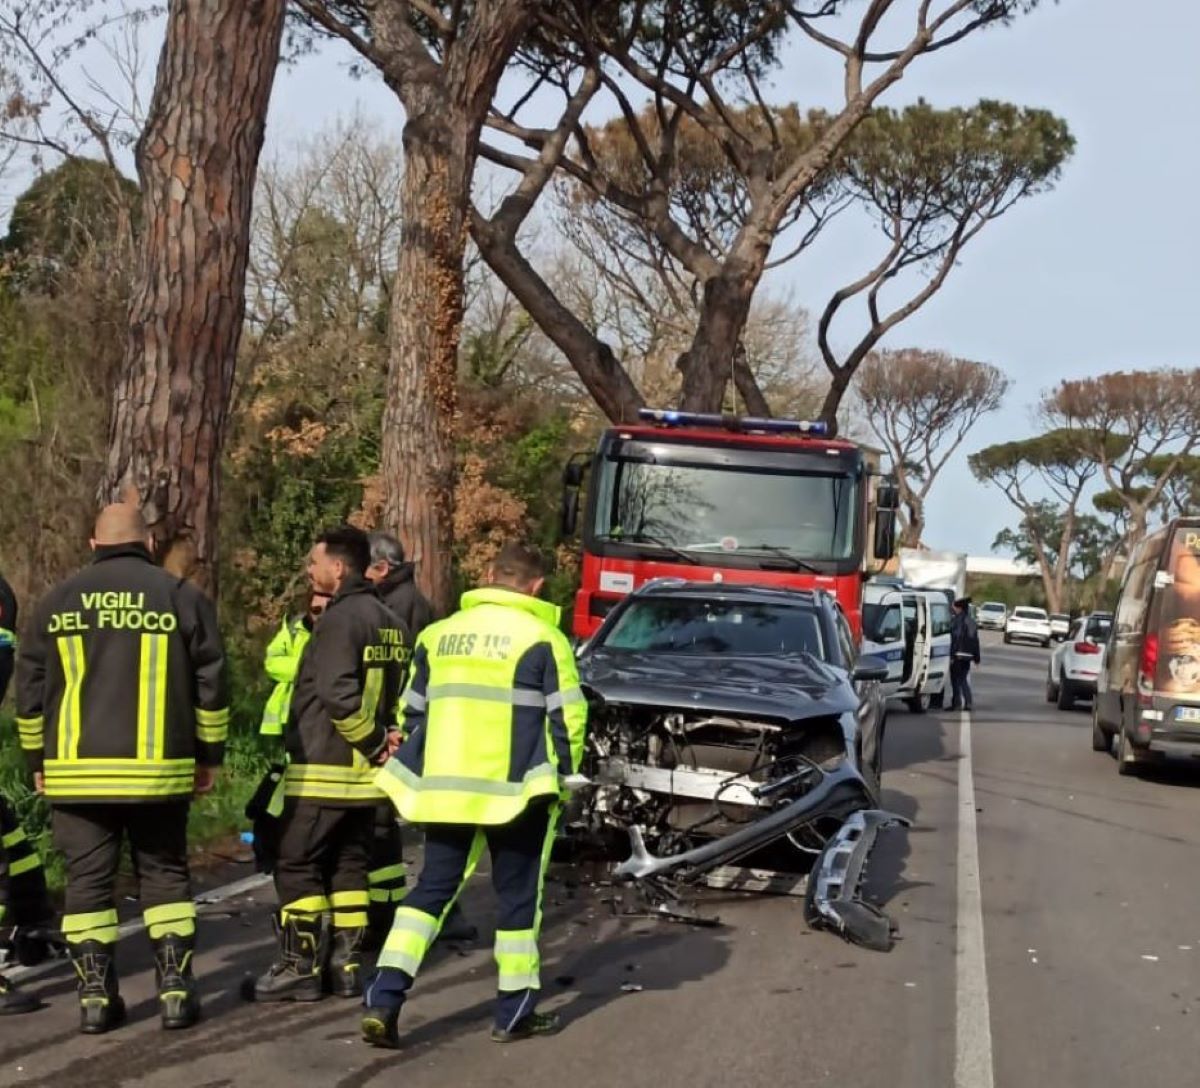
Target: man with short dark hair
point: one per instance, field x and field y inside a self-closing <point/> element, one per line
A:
<point x="495" y="720"/>
<point x="123" y="714"/>
<point x="339" y="724"/>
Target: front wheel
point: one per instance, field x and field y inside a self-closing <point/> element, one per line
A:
<point x="1007" y="639"/>
<point x="1051" y="690"/>
<point x="1101" y="741"/>
<point x="918" y="704"/>
<point x="939" y="700"/>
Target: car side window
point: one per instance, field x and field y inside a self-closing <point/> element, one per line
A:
<point x="940" y="618"/>
<point x="845" y="640"/>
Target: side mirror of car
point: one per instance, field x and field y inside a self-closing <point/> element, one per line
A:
<point x="885" y="534"/>
<point x="569" y="520"/>
<point x="869" y="669"/>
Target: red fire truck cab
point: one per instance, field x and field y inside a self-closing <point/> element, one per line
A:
<point x="726" y="499"/>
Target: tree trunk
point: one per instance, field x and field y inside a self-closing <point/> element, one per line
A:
<point x="196" y="160"/>
<point x="709" y="363"/>
<point x="914" y="527"/>
<point x="426" y="323"/>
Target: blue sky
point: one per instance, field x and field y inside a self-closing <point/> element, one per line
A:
<point x="1100" y="274"/>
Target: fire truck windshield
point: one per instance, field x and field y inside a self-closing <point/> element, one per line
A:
<point x="777" y="504"/>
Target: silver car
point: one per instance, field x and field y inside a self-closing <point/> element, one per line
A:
<point x="1075" y="663"/>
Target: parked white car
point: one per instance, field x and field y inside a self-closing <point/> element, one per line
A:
<point x="1075" y="664"/>
<point x="1060" y="625"/>
<point x="992" y="614"/>
<point x="1028" y="625"/>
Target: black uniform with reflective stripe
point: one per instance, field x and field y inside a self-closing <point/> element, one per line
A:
<point x="345" y="698"/>
<point x="121" y="683"/>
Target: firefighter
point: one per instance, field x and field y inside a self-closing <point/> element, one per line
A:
<point x="395" y="582"/>
<point x="23" y="900"/>
<point x="283" y="661"/>
<point x="122" y="711"/>
<point x="338" y="726"/>
<point x="494" y="718"/>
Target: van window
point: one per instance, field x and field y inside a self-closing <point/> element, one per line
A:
<point x="1138" y="586"/>
<point x="939" y="618"/>
<point x="881" y="623"/>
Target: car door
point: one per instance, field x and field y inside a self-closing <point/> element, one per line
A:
<point x="939" y="644"/>
<point x="916" y="622"/>
<point x="871" y="706"/>
<point x="883" y="637"/>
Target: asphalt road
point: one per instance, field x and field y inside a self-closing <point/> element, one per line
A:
<point x="1089" y="887"/>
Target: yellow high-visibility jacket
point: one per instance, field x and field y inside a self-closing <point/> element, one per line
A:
<point x="281" y="664"/>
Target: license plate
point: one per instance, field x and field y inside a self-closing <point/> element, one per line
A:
<point x="1187" y="713"/>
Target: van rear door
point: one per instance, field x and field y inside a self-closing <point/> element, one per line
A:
<point x="883" y="636"/>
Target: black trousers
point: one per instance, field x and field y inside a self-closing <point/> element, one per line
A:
<point x="960" y="682"/>
<point x="90" y="837"/>
<point x="23" y="899"/>
<point x="324" y="856"/>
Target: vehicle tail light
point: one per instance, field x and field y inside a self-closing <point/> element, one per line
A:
<point x="1086" y="648"/>
<point x="1147" y="668"/>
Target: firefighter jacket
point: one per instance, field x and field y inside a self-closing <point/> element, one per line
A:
<point x="281" y="664"/>
<point x="345" y="699"/>
<point x="8" y="634"/>
<point x="493" y="712"/>
<point x="121" y="683"/>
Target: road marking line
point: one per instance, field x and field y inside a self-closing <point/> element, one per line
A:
<point x="136" y="925"/>
<point x="973" y="1024"/>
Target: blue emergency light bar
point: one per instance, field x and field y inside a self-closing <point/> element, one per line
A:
<point x="669" y="417"/>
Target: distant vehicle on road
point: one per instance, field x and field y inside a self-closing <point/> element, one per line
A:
<point x="1148" y="691"/>
<point x="1060" y="625"/>
<point x="1075" y="664"/>
<point x="1028" y="625"/>
<point x="992" y="614"/>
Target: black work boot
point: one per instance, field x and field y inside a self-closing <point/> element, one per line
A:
<point x="100" y="1006"/>
<point x="344" y="975"/>
<point x="296" y="973"/>
<point x="381" y="1027"/>
<point x="14" y="1001"/>
<point x="536" y="1023"/>
<point x="178" y="997"/>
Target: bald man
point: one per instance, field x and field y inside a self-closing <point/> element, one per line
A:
<point x="123" y="715"/>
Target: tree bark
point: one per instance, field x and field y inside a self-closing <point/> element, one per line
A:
<point x="426" y="324"/>
<point x="196" y="159"/>
<point x="709" y="363"/>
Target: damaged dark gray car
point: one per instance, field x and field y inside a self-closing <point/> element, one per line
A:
<point x="729" y="720"/>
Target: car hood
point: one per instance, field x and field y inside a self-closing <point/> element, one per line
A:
<point x="785" y="688"/>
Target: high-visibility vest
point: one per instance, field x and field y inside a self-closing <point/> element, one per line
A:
<point x="493" y="712"/>
<point x="281" y="664"/>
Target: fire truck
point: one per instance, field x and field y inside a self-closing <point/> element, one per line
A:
<point x="724" y="498"/>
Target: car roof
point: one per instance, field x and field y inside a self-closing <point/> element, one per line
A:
<point x="682" y="587"/>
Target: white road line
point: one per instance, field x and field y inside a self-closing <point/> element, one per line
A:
<point x="973" y="1026"/>
<point x="136" y="925"/>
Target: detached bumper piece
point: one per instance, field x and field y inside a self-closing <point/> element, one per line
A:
<point x="834" y="893"/>
<point x="832" y="900"/>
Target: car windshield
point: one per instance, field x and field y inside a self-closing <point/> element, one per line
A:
<point x="653" y="496"/>
<point x="1028" y="614"/>
<point x="1060" y="617"/>
<point x="1098" y="628"/>
<point x="991" y="608"/>
<point x="667" y="625"/>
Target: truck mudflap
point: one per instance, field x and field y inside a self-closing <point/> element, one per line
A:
<point x="833" y="900"/>
<point x="834" y="897"/>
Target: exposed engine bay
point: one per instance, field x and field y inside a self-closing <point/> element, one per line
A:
<point x="692" y="791"/>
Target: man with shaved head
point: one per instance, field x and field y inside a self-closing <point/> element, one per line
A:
<point x="123" y="715"/>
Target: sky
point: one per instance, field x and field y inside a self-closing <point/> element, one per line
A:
<point x="1100" y="274"/>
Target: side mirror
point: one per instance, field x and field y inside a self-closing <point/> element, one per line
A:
<point x="887" y="496"/>
<point x="569" y="515"/>
<point x="869" y="669"/>
<point x="573" y="475"/>
<point x="885" y="533"/>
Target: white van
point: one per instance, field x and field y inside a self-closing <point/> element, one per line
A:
<point x="910" y="629"/>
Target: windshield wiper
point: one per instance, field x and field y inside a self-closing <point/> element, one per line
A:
<point x="775" y="549"/>
<point x="646" y="538"/>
